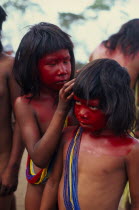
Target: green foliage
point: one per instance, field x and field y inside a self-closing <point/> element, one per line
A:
<point x="100" y="5"/>
<point x="21" y="5"/>
<point x="66" y="19"/>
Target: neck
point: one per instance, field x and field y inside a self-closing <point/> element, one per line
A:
<point x="104" y="132"/>
<point x="45" y="92"/>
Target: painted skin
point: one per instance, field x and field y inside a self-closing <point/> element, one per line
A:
<point x="55" y="69"/>
<point x="105" y="160"/>
<point x="41" y="120"/>
<point x="94" y="120"/>
<point x="89" y="114"/>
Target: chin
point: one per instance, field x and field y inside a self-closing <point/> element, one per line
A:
<point x="89" y="128"/>
<point x="57" y="88"/>
<point x="86" y="126"/>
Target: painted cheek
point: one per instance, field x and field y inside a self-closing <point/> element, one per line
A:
<point x="64" y="70"/>
<point x="96" y="120"/>
<point x="81" y="112"/>
<point x="46" y="76"/>
<point x="45" y="73"/>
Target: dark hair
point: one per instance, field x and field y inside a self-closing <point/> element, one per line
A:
<point x="106" y="80"/>
<point x="2" y="19"/>
<point x="126" y="39"/>
<point x="41" y="39"/>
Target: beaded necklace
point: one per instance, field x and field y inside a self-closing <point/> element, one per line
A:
<point x="70" y="193"/>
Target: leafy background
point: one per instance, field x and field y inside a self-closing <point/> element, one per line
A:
<point x="87" y="21"/>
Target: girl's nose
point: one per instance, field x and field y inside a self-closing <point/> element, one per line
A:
<point x="62" y="70"/>
<point x="83" y="113"/>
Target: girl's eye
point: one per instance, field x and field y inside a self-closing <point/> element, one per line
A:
<point x="93" y="107"/>
<point x="66" y="61"/>
<point x="77" y="102"/>
<point x="51" y="64"/>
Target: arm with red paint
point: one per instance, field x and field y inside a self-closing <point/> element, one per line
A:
<point x="42" y="148"/>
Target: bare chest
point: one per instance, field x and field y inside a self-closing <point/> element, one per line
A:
<point x="100" y="160"/>
<point x="100" y="166"/>
<point x="44" y="111"/>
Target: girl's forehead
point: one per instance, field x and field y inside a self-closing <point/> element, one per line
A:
<point x="59" y="53"/>
<point x="94" y="102"/>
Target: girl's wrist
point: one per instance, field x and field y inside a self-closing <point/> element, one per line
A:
<point x="62" y="112"/>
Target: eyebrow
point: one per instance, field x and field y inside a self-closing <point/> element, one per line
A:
<point x="51" y="57"/>
<point x="91" y="102"/>
<point x="55" y="59"/>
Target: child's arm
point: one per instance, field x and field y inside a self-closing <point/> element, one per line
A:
<point x="42" y="148"/>
<point x="51" y="188"/>
<point x="9" y="178"/>
<point x="133" y="176"/>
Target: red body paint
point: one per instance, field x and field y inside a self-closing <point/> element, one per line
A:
<point x="89" y="114"/>
<point x="55" y="69"/>
<point x="93" y="119"/>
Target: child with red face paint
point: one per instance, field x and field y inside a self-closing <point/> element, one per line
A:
<point x="44" y="66"/>
<point x="99" y="156"/>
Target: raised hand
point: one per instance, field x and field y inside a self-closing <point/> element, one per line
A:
<point x="65" y="95"/>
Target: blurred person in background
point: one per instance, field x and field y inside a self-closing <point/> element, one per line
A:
<point x="9" y="161"/>
<point x="123" y="47"/>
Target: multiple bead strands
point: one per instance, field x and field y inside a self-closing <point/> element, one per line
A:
<point x="70" y="193"/>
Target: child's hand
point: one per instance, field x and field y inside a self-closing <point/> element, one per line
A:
<point x="65" y="95"/>
<point x="8" y="182"/>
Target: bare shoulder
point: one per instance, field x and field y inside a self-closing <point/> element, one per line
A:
<point x="134" y="151"/>
<point x="20" y="102"/>
<point x="23" y="111"/>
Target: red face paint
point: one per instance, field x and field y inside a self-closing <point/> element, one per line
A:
<point x="89" y="114"/>
<point x="55" y="69"/>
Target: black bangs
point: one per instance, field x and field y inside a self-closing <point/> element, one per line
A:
<point x="88" y="85"/>
<point x="40" y="40"/>
<point x="106" y="80"/>
<point x="52" y="39"/>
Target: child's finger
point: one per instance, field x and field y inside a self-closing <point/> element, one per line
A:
<point x="69" y="88"/>
<point x="70" y="96"/>
<point x="68" y="83"/>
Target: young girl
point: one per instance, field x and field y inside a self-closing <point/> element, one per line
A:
<point x="44" y="64"/>
<point x="99" y="156"/>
